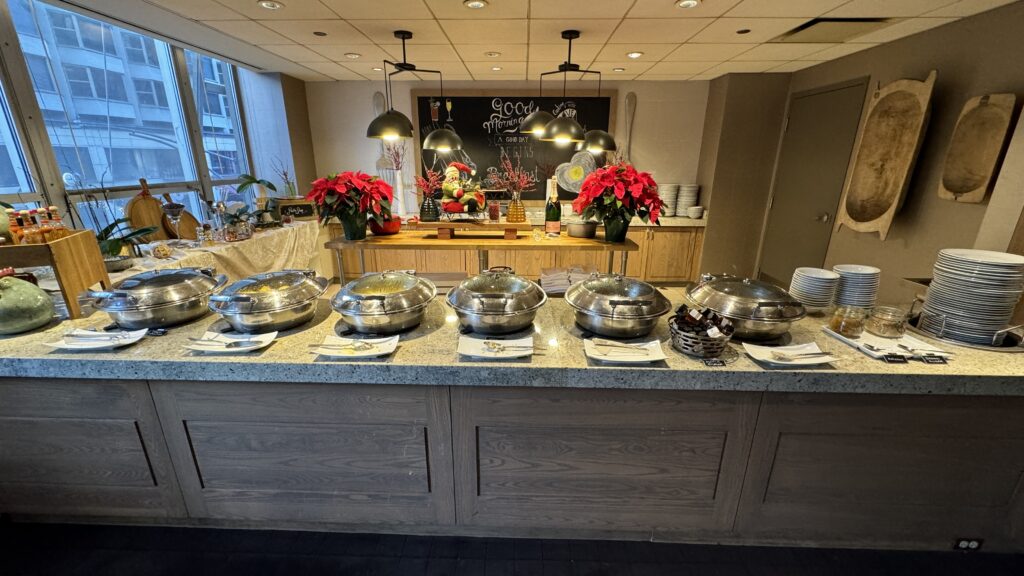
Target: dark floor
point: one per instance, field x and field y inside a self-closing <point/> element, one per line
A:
<point x="61" y="549"/>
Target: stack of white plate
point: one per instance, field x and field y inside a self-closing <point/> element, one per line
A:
<point x="972" y="295"/>
<point x="814" y="287"/>
<point x="687" y="197"/>
<point x="858" y="285"/>
<point x="668" y="193"/>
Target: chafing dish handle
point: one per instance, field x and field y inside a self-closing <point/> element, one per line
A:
<point x="111" y="294"/>
<point x="232" y="298"/>
<point x="761" y="305"/>
<point x="378" y="297"/>
<point x="616" y="303"/>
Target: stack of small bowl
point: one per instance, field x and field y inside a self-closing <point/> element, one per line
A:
<point x="686" y="201"/>
<point x="858" y="285"/>
<point x="814" y="287"/>
<point x="668" y="194"/>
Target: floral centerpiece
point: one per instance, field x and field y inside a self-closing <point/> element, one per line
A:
<point x="615" y="194"/>
<point x="352" y="198"/>
<point x="428" y="187"/>
<point x="459" y="192"/>
<point x="516" y="180"/>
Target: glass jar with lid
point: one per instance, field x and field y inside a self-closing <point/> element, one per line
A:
<point x="848" y="321"/>
<point x="887" y="322"/>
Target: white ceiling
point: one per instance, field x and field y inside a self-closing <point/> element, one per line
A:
<point x="677" y="44"/>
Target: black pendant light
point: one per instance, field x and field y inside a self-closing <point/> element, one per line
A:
<point x="442" y="140"/>
<point x="535" y="122"/>
<point x="391" y="125"/>
<point x="597" y="142"/>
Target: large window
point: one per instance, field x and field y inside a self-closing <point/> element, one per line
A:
<point x="15" y="184"/>
<point x="214" y="89"/>
<point x="76" y="31"/>
<point x="139" y="49"/>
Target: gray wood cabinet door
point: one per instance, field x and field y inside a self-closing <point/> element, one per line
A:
<point x="83" y="447"/>
<point x="663" y="464"/>
<point x="898" y="469"/>
<point x="358" y="454"/>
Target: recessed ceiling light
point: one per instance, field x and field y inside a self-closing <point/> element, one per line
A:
<point x="492" y="54"/>
<point x="475" y="4"/>
<point x="496" y="68"/>
<point x="743" y="31"/>
<point x="319" y="33"/>
<point x="270" y="4"/>
<point x="618" y="69"/>
<point x="352" y="55"/>
<point x="688" y="3"/>
<point x="634" y="55"/>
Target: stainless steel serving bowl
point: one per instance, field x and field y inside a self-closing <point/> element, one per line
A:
<point x="384" y="303"/>
<point x="159" y="298"/>
<point x="271" y="301"/>
<point x="758" y="310"/>
<point x="496" y="301"/>
<point x="615" y="306"/>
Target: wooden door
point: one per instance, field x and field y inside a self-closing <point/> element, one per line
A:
<point x="815" y="154"/>
<point x="623" y="460"/>
<point x="885" y="469"/>
<point x="83" y="448"/>
<point x="670" y="254"/>
<point x="306" y="452"/>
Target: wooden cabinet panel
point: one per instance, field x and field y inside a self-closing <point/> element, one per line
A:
<point x="637" y="261"/>
<point x="444" y="260"/>
<point x="599" y="260"/>
<point x="317" y="453"/>
<point x="621" y="460"/>
<point x="866" y="468"/>
<point x="525" y="263"/>
<point x="83" y="447"/>
<point x="670" y="254"/>
<point x="392" y="260"/>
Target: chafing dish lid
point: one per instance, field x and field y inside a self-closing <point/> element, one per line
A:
<point x="497" y="290"/>
<point x="269" y="292"/>
<point x="157" y="288"/>
<point x="615" y="296"/>
<point x="746" y="299"/>
<point x="384" y="293"/>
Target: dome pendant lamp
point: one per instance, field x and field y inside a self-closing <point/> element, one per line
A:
<point x="597" y="142"/>
<point x="535" y="121"/>
<point x="442" y="140"/>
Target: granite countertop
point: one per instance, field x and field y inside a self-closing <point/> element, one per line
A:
<point x="427" y="356"/>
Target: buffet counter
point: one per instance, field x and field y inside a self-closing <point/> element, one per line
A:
<point x="861" y="453"/>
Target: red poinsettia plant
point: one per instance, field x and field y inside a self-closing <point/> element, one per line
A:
<point x="618" y="191"/>
<point x="351" y="195"/>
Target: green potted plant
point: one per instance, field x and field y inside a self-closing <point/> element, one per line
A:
<point x="114" y="237"/>
<point x="352" y="198"/>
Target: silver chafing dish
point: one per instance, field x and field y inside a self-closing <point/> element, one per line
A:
<point x="159" y="298"/>
<point x="758" y="310"/>
<point x="615" y="306"/>
<point x="271" y="301"/>
<point x="496" y="301"/>
<point x="384" y="303"/>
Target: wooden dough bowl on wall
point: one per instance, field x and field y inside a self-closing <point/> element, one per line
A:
<point x="887" y="146"/>
<point x="976" y="147"/>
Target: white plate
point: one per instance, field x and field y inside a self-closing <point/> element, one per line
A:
<point x="613" y="352"/>
<point x="218" y="342"/>
<point x="764" y="354"/>
<point x="89" y="340"/>
<point x="983" y="256"/>
<point x="338" y="347"/>
<point x="856" y="270"/>
<point x="478" y="346"/>
<point x="817" y="274"/>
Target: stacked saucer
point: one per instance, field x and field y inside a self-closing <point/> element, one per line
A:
<point x="858" y="285"/>
<point x="687" y="198"/>
<point x="814" y="287"/>
<point x="972" y="295"/>
<point x="668" y="193"/>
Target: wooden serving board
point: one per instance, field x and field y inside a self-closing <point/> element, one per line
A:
<point x="446" y="229"/>
<point x="977" y="146"/>
<point x="186" y="225"/>
<point x="884" y="155"/>
<point x="144" y="210"/>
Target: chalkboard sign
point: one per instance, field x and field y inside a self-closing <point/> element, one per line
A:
<point x="490" y="124"/>
<point x="297" y="208"/>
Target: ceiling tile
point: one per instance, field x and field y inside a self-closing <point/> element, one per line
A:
<point x="668" y="9"/>
<point x="690" y="52"/>
<point x="484" y="31"/>
<point x="742" y="67"/>
<point x="558" y="52"/>
<point x="886" y="8"/>
<point x="704" y="77"/>
<point x="336" y="52"/>
<point x="632" y="67"/>
<point x="496" y="9"/>
<point x="837" y="51"/>
<point x="198" y="9"/>
<point x="781" y="51"/>
<point x="247" y="30"/>
<point x="334" y="70"/>
<point x="292" y="10"/>
<point x="792" y="66"/>
<point x="307" y="75"/>
<point x="572" y="8"/>
<point x="374" y="9"/>
<point x="295" y="53"/>
<point x="417" y="52"/>
<point x="366" y="69"/>
<point x="965" y="8"/>
<point x="302" y="31"/>
<point x="778" y="9"/>
<point x="651" y="52"/>
<point x="761" y="29"/>
<point x="680" y="67"/>
<point x="592" y="31"/>
<point x="651" y="77"/>
<point x="902" y="29"/>
<point x="507" y="68"/>
<point x="383" y="31"/>
<point x="445" y="66"/>
<point x="669" y="31"/>
<point x="477" y="52"/>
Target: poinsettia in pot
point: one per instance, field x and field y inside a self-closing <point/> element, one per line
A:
<point x="352" y="198"/>
<point x="615" y="194"/>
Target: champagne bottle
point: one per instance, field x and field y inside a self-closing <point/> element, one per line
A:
<point x="553" y="210"/>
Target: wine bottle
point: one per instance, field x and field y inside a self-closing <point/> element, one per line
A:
<point x="553" y="210"/>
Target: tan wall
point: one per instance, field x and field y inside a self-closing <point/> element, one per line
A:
<point x="297" y="113"/>
<point x="974" y="56"/>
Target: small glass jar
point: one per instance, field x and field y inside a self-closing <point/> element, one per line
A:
<point x="493" y="210"/>
<point x="887" y="322"/>
<point x="848" y="321"/>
